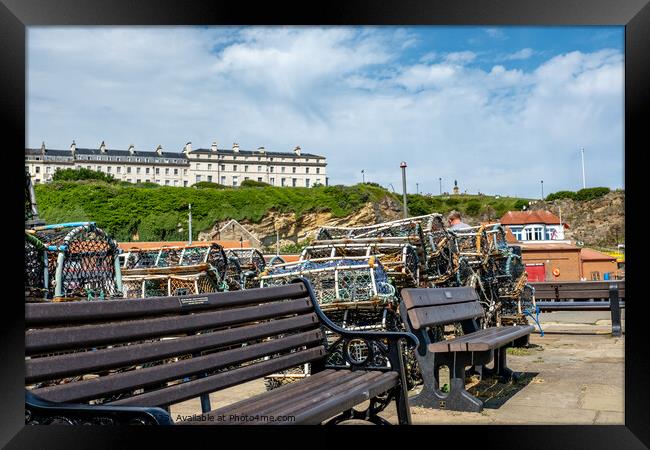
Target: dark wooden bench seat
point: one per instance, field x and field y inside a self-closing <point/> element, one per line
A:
<point x="311" y="401"/>
<point x="481" y="340"/>
<point x="128" y="360"/>
<point x="424" y="311"/>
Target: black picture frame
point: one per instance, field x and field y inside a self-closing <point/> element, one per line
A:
<point x="16" y="15"/>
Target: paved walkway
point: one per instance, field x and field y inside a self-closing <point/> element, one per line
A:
<point x="574" y="374"/>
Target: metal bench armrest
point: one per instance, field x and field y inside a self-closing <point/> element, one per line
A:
<point x="39" y="411"/>
<point x="392" y="336"/>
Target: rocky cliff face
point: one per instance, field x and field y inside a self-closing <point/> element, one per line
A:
<point x="598" y="222"/>
<point x="294" y="229"/>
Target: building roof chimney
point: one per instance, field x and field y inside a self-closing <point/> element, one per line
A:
<point x="297" y="150"/>
<point x="187" y="148"/>
<point x="73" y="147"/>
<point x="131" y="149"/>
<point x="235" y="147"/>
<point x="102" y="147"/>
<point x="213" y="147"/>
<point x="159" y="151"/>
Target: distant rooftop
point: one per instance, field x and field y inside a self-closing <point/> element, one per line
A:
<point x="181" y="154"/>
<point x="530" y="217"/>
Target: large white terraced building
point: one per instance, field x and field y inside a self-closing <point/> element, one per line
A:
<point x="224" y="166"/>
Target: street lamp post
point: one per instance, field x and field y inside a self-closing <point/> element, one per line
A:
<point x="363" y="176"/>
<point x="403" y="166"/>
<point x="417" y="188"/>
<point x="542" y="181"/>
<point x="190" y="223"/>
<point x="440" y="181"/>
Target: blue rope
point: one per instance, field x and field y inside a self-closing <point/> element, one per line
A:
<point x="535" y="318"/>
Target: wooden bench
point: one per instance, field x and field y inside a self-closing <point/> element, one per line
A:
<point x="424" y="311"/>
<point x="126" y="361"/>
<point x="583" y="296"/>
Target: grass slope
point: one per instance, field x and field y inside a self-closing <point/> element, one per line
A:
<point x="159" y="213"/>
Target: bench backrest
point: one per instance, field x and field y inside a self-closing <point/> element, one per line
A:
<point x="183" y="347"/>
<point x="577" y="289"/>
<point x="428" y="307"/>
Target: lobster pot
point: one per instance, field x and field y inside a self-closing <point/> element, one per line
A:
<point x="36" y="265"/>
<point x="72" y="261"/>
<point x="495" y="239"/>
<point x="233" y="278"/>
<point x="249" y="258"/>
<point x="400" y="261"/>
<point x="472" y="244"/>
<point x="189" y="255"/>
<point x="141" y="286"/>
<point x="339" y="283"/>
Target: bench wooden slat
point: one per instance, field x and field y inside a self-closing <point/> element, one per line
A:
<point x="44" y="340"/>
<point x="310" y="388"/>
<point x="67" y="312"/>
<point x="323" y="410"/>
<point x="307" y="388"/>
<point x="444" y="314"/>
<point x="65" y="365"/>
<point x="340" y="392"/>
<point x="486" y="339"/>
<point x="287" y="390"/>
<point x="194" y="388"/>
<point x="416" y="297"/>
<point x="147" y="376"/>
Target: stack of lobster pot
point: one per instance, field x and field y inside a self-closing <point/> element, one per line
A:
<point x="177" y="270"/>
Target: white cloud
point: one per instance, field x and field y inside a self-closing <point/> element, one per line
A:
<point x="460" y="57"/>
<point x="342" y="92"/>
<point x="524" y="53"/>
<point x="496" y="33"/>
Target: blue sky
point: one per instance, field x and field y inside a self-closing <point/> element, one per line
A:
<point x="497" y="108"/>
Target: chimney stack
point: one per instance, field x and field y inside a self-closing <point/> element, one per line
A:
<point x="73" y="147"/>
<point x="214" y="146"/>
<point x="159" y="150"/>
<point x="297" y="150"/>
<point x="43" y="147"/>
<point x="131" y="149"/>
<point x="102" y="147"/>
<point x="235" y="147"/>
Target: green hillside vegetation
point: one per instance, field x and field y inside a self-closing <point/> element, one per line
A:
<point x="159" y="213"/>
<point x="476" y="206"/>
<point x="581" y="195"/>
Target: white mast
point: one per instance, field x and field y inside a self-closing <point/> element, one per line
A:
<point x="584" y="185"/>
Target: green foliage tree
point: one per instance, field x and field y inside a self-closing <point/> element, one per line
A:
<point x="520" y="205"/>
<point x="473" y="208"/>
<point x="209" y="185"/>
<point x="81" y="173"/>
<point x="253" y="183"/>
<point x="592" y="193"/>
<point x="559" y="195"/>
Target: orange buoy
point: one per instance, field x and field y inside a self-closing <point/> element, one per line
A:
<point x="556" y="272"/>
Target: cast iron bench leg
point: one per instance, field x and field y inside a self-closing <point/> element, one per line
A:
<point x="457" y="399"/>
<point x="615" y="309"/>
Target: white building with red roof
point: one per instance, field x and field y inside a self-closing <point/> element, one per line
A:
<point x="534" y="226"/>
